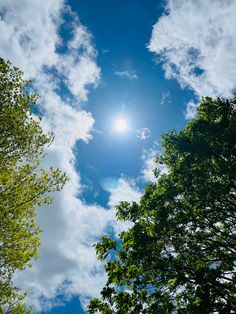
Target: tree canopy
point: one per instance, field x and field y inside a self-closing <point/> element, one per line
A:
<point x="24" y="184"/>
<point x="179" y="256"/>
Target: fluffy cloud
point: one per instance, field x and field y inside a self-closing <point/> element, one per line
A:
<point x="29" y="34"/>
<point x="143" y="133"/>
<point x="148" y="170"/>
<point x="125" y="190"/>
<point x="68" y="265"/>
<point x="196" y="42"/>
<point x="30" y="39"/>
<point x="191" y="110"/>
<point x="150" y="164"/>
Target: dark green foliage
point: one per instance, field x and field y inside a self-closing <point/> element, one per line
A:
<point x="23" y="184"/>
<point x="180" y="254"/>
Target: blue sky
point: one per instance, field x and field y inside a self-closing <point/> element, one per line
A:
<point x="94" y="62"/>
<point x="123" y="30"/>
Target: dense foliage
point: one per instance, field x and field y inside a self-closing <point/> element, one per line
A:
<point x="24" y="185"/>
<point x="180" y="254"/>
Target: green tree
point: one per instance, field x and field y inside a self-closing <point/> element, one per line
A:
<point x="179" y="256"/>
<point x="24" y="184"/>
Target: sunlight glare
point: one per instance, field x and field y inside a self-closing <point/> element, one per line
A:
<point x="121" y="125"/>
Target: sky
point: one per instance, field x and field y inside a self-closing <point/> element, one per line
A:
<point x="113" y="76"/>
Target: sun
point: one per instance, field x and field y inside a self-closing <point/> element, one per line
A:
<point x="121" y="125"/>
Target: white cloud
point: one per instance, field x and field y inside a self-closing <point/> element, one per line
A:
<point x="150" y="164"/>
<point x="29" y="34"/>
<point x="68" y="264"/>
<point x="143" y="133"/>
<point x="30" y="39"/>
<point x="148" y="170"/>
<point x="127" y="74"/>
<point x="191" y="110"/>
<point x="196" y="41"/>
<point x="165" y="98"/>
<point x="125" y="190"/>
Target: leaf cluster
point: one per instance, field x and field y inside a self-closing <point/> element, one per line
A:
<point x="180" y="254"/>
<point x="24" y="184"/>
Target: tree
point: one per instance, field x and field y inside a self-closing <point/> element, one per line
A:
<point x="24" y="185"/>
<point x="179" y="256"/>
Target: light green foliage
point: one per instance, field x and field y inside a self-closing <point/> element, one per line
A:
<point x="24" y="185"/>
<point x="180" y="254"/>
